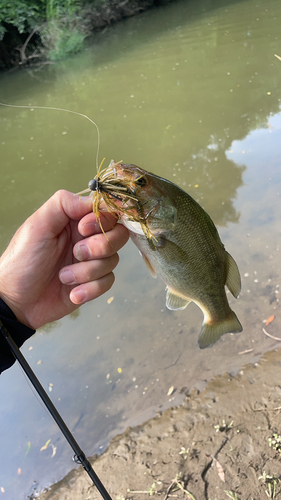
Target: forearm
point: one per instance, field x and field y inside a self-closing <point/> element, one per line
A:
<point x="19" y="332"/>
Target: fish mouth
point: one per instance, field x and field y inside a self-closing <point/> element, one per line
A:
<point x="121" y="189"/>
<point x="119" y="186"/>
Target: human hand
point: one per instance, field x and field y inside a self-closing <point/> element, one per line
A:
<point x="59" y="259"/>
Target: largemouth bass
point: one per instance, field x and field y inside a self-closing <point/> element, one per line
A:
<point x="178" y="242"/>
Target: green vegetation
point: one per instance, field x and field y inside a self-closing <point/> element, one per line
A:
<point x="275" y="442"/>
<point x="271" y="481"/>
<point x="54" y="29"/>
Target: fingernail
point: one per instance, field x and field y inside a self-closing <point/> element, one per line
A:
<point x="91" y="227"/>
<point x="67" y="277"/>
<point x="79" y="296"/>
<point x="82" y="253"/>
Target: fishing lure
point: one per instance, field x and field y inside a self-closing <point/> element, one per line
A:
<point x="119" y="196"/>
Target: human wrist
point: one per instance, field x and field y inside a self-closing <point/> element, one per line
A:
<point x="14" y="310"/>
<point x="18" y="331"/>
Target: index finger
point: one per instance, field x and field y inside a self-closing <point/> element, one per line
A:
<point x="89" y="224"/>
<point x="100" y="246"/>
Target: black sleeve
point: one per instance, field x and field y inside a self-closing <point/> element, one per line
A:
<point x="19" y="332"/>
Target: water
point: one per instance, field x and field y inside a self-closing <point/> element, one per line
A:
<point x="190" y="91"/>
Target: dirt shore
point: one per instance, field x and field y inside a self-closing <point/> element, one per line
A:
<point x="221" y="443"/>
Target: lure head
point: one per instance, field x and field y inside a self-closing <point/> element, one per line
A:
<point x="94" y="184"/>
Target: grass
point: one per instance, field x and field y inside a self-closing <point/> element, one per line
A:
<point x="271" y="482"/>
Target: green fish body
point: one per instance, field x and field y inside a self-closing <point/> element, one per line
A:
<point x="184" y="249"/>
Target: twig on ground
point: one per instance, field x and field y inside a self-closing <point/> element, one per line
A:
<point x="271" y="336"/>
<point x="175" y="485"/>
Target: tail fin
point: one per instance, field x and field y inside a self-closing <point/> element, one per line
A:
<point x="211" y="332"/>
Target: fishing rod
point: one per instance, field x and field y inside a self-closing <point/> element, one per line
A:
<point x="79" y="456"/>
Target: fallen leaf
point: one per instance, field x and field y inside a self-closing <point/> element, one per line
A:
<point x="269" y="320"/>
<point x="278" y="57"/>
<point x="45" y="445"/>
<point x="220" y="470"/>
<point x="2" y="489"/>
<point x="119" y="370"/>
<point x="30" y="348"/>
<point x="19" y="471"/>
<point x="28" y="447"/>
<point x="110" y="300"/>
<point x="39" y="362"/>
<point x="170" y="391"/>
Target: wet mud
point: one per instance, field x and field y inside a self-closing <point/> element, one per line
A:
<point x="222" y="442"/>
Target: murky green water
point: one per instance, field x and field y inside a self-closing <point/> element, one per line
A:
<point x="191" y="92"/>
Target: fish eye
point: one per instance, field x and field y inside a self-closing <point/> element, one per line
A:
<point x="141" y="181"/>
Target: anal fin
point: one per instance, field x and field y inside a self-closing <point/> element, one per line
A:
<point x="174" y="301"/>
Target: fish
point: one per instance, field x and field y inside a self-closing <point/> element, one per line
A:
<point x="178" y="242"/>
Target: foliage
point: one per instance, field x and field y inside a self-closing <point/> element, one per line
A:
<point x="55" y="9"/>
<point x="59" y="27"/>
<point x="58" y="23"/>
<point x="61" y="38"/>
<point x="21" y="14"/>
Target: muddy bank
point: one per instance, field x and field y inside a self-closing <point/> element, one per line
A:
<point x="215" y="446"/>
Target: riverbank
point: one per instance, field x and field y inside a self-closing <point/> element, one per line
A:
<point x="34" y="37"/>
<point x="221" y="443"/>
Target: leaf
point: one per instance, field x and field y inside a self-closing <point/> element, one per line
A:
<point x="220" y="470"/>
<point x="45" y="445"/>
<point x="278" y="57"/>
<point x="269" y="320"/>
<point x="2" y="489"/>
<point x="28" y="447"/>
<point x="170" y="391"/>
<point x="110" y="300"/>
<point x="19" y="471"/>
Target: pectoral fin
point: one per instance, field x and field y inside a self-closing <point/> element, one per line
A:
<point x="149" y="266"/>
<point x="233" y="280"/>
<point x="174" y="301"/>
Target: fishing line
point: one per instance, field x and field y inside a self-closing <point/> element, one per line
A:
<point x="79" y="455"/>
<point x="60" y="109"/>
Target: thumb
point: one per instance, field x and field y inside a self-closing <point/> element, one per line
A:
<point x="62" y="207"/>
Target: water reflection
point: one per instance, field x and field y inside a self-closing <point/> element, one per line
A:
<point x="186" y="92"/>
